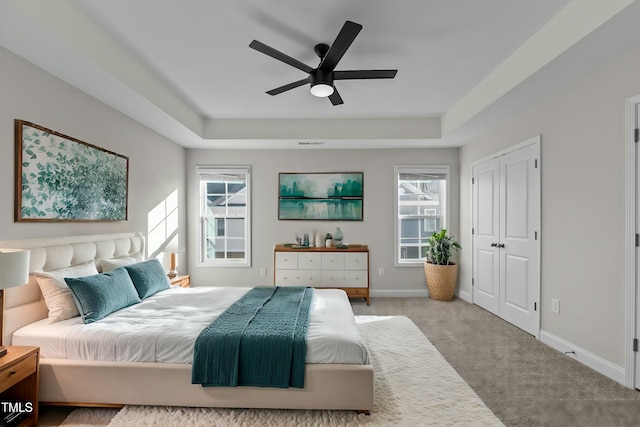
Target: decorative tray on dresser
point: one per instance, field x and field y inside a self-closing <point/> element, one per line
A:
<point x="341" y="268"/>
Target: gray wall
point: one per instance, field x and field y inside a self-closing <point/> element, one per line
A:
<point x="156" y="165"/>
<point x="583" y="204"/>
<point x="376" y="230"/>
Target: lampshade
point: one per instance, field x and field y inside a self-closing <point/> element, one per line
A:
<point x="14" y="267"/>
<point x="173" y="246"/>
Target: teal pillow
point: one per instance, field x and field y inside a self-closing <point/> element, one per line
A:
<point x="101" y="294"/>
<point x="148" y="277"/>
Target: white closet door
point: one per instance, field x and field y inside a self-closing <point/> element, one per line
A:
<point x="486" y="234"/>
<point x="506" y="247"/>
<point x="519" y="254"/>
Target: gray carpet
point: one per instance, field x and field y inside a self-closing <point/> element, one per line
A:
<point x="524" y="382"/>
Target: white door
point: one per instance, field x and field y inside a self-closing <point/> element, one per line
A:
<point x="519" y="225"/>
<point x="506" y="222"/>
<point x="486" y="234"/>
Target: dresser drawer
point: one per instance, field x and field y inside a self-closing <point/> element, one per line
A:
<point x="355" y="279"/>
<point x="182" y="281"/>
<point x="310" y="261"/>
<point x="355" y="261"/>
<point x="332" y="261"/>
<point x="344" y="279"/>
<point x="357" y="292"/>
<point x="286" y="261"/>
<point x="298" y="278"/>
<point x="15" y="373"/>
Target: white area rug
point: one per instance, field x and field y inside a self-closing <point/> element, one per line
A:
<point x="414" y="386"/>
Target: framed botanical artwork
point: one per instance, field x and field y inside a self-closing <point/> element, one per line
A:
<point x="332" y="196"/>
<point x="60" y="178"/>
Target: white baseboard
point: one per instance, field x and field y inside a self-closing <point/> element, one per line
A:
<point x="399" y="293"/>
<point x="465" y="296"/>
<point x="412" y="293"/>
<point x="593" y="361"/>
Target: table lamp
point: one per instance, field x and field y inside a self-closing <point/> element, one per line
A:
<point x="172" y="248"/>
<point x="14" y="271"/>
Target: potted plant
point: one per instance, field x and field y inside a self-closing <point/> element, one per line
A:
<point x="441" y="273"/>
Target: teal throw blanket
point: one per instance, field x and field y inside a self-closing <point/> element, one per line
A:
<point x="261" y="340"/>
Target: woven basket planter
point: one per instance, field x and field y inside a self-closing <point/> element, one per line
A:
<point x="441" y="280"/>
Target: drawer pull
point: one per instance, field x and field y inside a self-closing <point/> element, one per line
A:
<point x="13" y="373"/>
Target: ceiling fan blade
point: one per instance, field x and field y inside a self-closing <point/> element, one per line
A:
<point x="276" y="54"/>
<point x="288" y="87"/>
<point x="364" y="74"/>
<point x="346" y="36"/>
<point x="335" y="97"/>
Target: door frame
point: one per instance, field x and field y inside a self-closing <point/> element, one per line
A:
<point x="534" y="140"/>
<point x="631" y="271"/>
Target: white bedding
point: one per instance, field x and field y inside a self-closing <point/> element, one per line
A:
<point x="164" y="327"/>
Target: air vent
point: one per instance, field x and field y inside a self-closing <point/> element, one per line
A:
<point x="310" y="142"/>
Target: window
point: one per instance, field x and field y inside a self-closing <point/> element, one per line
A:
<point x="224" y="216"/>
<point x="421" y="209"/>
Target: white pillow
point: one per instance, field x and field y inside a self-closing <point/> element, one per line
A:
<point x="57" y="294"/>
<point x="113" y="263"/>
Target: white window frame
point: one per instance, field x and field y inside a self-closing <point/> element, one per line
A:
<point x="202" y="171"/>
<point x="425" y="169"/>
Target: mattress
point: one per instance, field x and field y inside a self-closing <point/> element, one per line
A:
<point x="163" y="328"/>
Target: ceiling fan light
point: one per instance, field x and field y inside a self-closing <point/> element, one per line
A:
<point x="321" y="90"/>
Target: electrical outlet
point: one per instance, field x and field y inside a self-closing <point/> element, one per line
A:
<point x="263" y="271"/>
<point x="555" y="305"/>
<point x="381" y="271"/>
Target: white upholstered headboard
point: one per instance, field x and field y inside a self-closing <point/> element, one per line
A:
<point x="24" y="304"/>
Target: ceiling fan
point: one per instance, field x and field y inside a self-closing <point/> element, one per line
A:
<point x="321" y="78"/>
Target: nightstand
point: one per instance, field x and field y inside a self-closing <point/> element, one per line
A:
<point x="19" y="385"/>
<point x="183" y="281"/>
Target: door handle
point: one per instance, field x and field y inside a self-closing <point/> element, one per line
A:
<point x="500" y="245"/>
<point x="493" y="245"/>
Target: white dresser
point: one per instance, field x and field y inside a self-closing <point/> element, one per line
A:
<point x="346" y="269"/>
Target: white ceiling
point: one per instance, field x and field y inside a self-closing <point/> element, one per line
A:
<point x="184" y="68"/>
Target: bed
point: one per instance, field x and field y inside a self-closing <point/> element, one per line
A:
<point x="67" y="378"/>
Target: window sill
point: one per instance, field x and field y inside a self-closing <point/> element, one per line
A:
<point x="415" y="264"/>
<point x="223" y="265"/>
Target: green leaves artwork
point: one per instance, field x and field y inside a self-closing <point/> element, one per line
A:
<point x="60" y="178"/>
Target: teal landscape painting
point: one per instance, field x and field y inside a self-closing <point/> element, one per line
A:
<point x="321" y="196"/>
